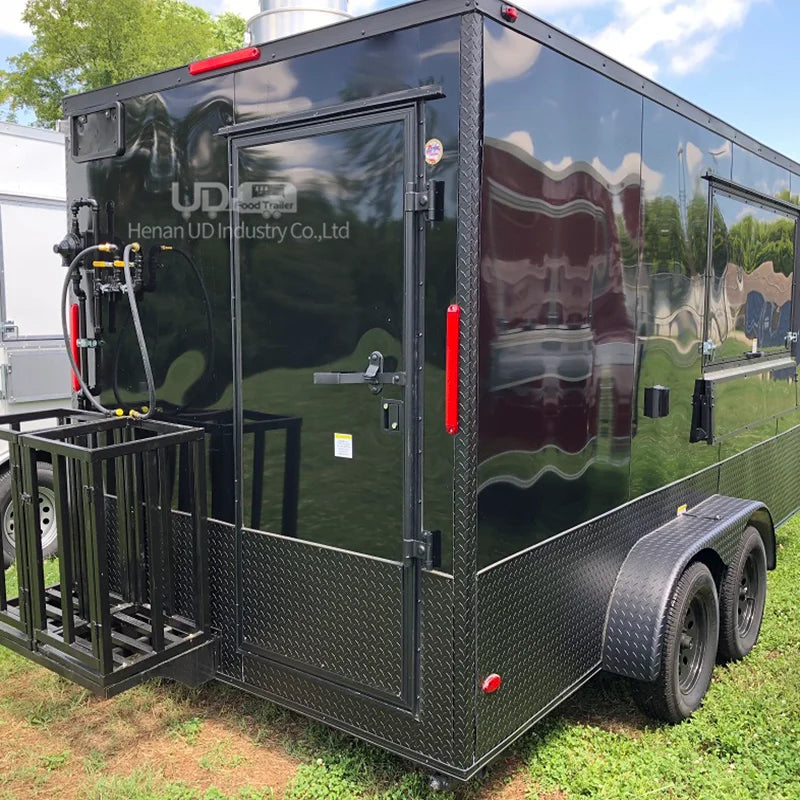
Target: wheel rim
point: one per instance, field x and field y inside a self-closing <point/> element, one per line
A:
<point x="692" y="647"/>
<point x="47" y="519"/>
<point x="749" y="587"/>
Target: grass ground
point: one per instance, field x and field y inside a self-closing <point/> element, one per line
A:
<point x="163" y="742"/>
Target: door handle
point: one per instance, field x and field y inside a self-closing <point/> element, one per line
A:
<point x="373" y="376"/>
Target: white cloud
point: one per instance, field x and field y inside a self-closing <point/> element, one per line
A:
<point x="11" y="23"/>
<point x="647" y="34"/>
<point x="518" y="56"/>
<point x="650" y="35"/>
<point x="693" y="55"/>
<point x="521" y="139"/>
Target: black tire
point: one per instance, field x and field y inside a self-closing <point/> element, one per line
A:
<point x="690" y="648"/>
<point x="47" y="512"/>
<point x="742" y="598"/>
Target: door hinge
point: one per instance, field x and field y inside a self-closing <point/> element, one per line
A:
<point x="428" y="549"/>
<point x="429" y="201"/>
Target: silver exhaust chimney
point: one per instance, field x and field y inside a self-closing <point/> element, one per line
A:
<point x="279" y="18"/>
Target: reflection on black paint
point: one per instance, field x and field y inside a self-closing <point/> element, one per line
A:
<point x="321" y="300"/>
<point x="399" y="60"/>
<point x="676" y="154"/>
<point x="170" y="138"/>
<point x="562" y="194"/>
<point x="583" y="306"/>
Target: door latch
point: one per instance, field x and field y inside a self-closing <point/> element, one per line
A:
<point x="373" y="376"/>
<point x="392" y="416"/>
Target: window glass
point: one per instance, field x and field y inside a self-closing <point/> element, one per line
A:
<point x="750" y="299"/>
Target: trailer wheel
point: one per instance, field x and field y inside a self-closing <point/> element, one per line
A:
<point x="47" y="516"/>
<point x="742" y="598"/>
<point x="689" y="652"/>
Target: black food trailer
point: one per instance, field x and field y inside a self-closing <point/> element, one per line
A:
<point x="428" y="364"/>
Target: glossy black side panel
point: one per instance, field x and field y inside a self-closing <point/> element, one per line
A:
<point x="680" y="304"/>
<point x="171" y="152"/>
<point x="403" y="59"/>
<point x="671" y="288"/>
<point x="759" y="174"/>
<point x="562" y="190"/>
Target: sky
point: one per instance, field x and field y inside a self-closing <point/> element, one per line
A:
<point x="738" y="59"/>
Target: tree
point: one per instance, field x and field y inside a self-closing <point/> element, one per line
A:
<point x="85" y="44"/>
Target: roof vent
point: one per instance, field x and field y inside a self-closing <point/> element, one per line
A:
<point x="280" y="18"/>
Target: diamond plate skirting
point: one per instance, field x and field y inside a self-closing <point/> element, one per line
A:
<point x="336" y="612"/>
<point x="542" y="612"/>
<point x="427" y="736"/>
<point x="222" y="591"/>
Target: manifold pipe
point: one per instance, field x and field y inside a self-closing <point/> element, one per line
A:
<point x="137" y="325"/>
<point x="65" y="327"/>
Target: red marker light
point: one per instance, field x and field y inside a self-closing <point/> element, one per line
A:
<point x="509" y="13"/>
<point x="451" y="370"/>
<point x="225" y="60"/>
<point x="74" y="333"/>
<point x="492" y="683"/>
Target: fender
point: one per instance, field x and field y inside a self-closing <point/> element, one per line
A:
<point x="636" y="616"/>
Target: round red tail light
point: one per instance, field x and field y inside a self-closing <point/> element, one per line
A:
<point x="510" y="14"/>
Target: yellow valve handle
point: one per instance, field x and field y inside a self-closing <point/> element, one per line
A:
<point x="108" y="264"/>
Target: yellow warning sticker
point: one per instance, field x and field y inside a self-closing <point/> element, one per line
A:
<point x="682" y="509"/>
<point x="343" y="445"/>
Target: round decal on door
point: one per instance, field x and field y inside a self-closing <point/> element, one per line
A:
<point x="434" y="152"/>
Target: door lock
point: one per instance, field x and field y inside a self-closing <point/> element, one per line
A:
<point x="373" y="376"/>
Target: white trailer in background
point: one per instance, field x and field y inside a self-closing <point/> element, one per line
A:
<point x="34" y="372"/>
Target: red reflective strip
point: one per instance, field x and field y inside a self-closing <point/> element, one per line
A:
<point x="225" y="60"/>
<point x="451" y="370"/>
<point x="74" y="333"/>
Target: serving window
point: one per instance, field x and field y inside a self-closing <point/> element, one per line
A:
<point x="751" y="277"/>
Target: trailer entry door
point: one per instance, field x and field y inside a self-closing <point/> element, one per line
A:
<point x="325" y="285"/>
